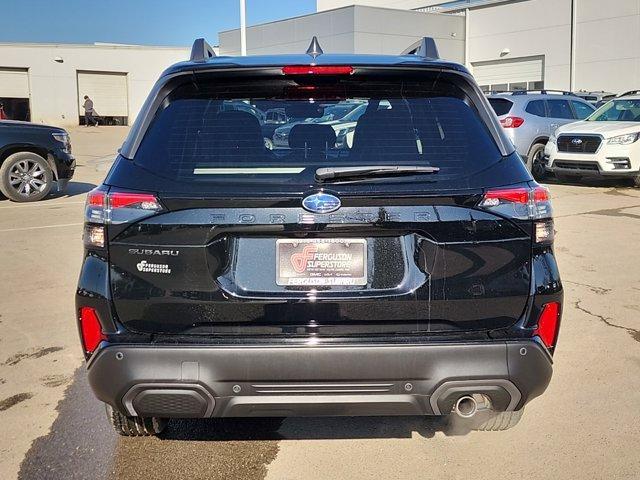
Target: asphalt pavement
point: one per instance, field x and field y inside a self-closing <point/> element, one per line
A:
<point x="585" y="426"/>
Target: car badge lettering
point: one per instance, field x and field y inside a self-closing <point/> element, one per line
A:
<point x="148" y="251"/>
<point x="321" y="203"/>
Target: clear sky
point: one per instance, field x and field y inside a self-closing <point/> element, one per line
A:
<point x="146" y="22"/>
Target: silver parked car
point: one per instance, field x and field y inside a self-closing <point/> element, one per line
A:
<point x="530" y="117"/>
<point x="597" y="99"/>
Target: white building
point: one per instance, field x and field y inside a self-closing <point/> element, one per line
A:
<point x="45" y="83"/>
<point x="508" y="44"/>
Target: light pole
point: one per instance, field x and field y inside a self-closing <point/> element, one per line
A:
<point x="243" y="28"/>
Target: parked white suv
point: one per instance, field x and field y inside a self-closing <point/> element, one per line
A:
<point x="604" y="144"/>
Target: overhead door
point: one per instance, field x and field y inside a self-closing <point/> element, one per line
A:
<point x="14" y="83"/>
<point x="14" y="93"/>
<point x="513" y="74"/>
<point x="108" y="92"/>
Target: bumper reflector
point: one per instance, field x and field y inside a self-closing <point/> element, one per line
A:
<point x="91" y="329"/>
<point x="548" y="324"/>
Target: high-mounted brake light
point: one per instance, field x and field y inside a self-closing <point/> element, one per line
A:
<point x="90" y="329"/>
<point x="317" y="70"/>
<point x="523" y="203"/>
<point x="549" y="324"/>
<point x="511" y="122"/>
<point x="113" y="208"/>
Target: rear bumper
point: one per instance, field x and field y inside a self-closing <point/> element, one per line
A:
<point x="197" y="382"/>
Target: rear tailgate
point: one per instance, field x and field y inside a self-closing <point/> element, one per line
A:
<point x="427" y="268"/>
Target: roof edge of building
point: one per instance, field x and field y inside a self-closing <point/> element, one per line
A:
<point x="353" y="7"/>
<point x="94" y="45"/>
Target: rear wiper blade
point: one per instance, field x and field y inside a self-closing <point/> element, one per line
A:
<point x="328" y="173"/>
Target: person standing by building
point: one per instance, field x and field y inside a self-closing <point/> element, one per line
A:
<point x="89" y="112"/>
<point x="3" y="115"/>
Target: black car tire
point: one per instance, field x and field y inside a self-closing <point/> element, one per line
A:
<point x="636" y="181"/>
<point x="534" y="161"/>
<point x="25" y="163"/>
<point x="135" y="426"/>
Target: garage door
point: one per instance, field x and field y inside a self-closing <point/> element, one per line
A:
<point x="14" y="83"/>
<point x="108" y="92"/>
<point x="517" y="74"/>
<point x="14" y="93"/>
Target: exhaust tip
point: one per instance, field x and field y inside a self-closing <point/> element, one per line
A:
<point x="466" y="406"/>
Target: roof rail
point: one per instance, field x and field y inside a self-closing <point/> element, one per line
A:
<point x="426" y="47"/>
<point x="201" y="51"/>
<point x="543" y="91"/>
<point x="630" y="92"/>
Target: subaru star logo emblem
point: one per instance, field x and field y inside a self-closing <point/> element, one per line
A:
<point x="321" y="203"/>
<point x="577" y="141"/>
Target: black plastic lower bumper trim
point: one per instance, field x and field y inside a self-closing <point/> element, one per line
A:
<point x="313" y="380"/>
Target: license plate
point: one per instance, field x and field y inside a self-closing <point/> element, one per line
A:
<point x="335" y="261"/>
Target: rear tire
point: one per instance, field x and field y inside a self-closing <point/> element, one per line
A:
<point x="636" y="181"/>
<point x="135" y="426"/>
<point x="534" y="161"/>
<point x="25" y="177"/>
<point x="501" y="421"/>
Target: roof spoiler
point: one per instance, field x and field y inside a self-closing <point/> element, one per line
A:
<point x="426" y="47"/>
<point x="201" y="51"/>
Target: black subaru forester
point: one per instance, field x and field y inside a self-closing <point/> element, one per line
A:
<point x="398" y="264"/>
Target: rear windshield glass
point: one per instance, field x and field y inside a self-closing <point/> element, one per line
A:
<point x="215" y="129"/>
<point x="500" y="105"/>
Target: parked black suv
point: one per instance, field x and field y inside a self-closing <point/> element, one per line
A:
<point x="32" y="158"/>
<point x="411" y="274"/>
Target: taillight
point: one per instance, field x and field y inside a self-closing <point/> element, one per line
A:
<point x="115" y="207"/>
<point x="511" y="122"/>
<point x="317" y="70"/>
<point x="90" y="329"/>
<point x="549" y="324"/>
<point x="523" y="203"/>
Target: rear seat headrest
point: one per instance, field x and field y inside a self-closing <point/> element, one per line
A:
<point x="314" y="135"/>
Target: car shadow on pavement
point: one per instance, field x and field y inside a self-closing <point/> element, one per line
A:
<point x="81" y="444"/>
<point x="309" y="428"/>
<point x="73" y="189"/>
